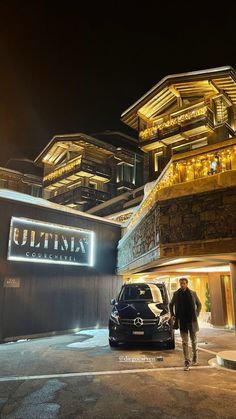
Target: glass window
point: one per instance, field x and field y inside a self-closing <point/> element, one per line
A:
<point x="142" y="292"/>
<point x="125" y="173"/>
<point x="128" y="173"/>
<point x="35" y="190"/>
<point x="120" y="170"/>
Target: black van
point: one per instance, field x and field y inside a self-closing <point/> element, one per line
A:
<point x="141" y="314"/>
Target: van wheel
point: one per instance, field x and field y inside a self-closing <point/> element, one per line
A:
<point x="113" y="344"/>
<point x="171" y="344"/>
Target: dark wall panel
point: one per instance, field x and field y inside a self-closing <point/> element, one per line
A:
<point x="55" y="297"/>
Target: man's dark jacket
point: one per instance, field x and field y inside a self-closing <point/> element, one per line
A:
<point x="196" y="306"/>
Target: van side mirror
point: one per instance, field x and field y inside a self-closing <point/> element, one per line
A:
<point x="113" y="301"/>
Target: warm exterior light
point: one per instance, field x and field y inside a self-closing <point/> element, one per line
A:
<point x="149" y="132"/>
<point x="188" y="169"/>
<point x="206" y="269"/>
<point x="62" y="170"/>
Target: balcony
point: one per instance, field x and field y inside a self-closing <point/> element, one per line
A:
<point x="78" y="168"/>
<point x="124" y="184"/>
<point x="177" y="127"/>
<point x="95" y="170"/>
<point x="196" y="171"/>
<point x="81" y="195"/>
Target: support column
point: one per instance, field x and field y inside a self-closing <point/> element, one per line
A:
<point x="233" y="285"/>
<point x="218" y="304"/>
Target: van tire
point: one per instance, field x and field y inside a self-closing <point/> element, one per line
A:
<point x="113" y="344"/>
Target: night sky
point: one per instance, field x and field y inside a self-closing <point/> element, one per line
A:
<point x="73" y="66"/>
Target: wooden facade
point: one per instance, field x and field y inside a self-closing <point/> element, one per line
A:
<point x="21" y="175"/>
<point x="187" y="219"/>
<point x="184" y="112"/>
<point x="82" y="172"/>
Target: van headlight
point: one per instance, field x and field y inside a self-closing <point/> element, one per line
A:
<point x="115" y="317"/>
<point x="164" y="322"/>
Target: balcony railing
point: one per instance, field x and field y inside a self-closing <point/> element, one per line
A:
<point x="125" y="184"/>
<point x="81" y="195"/>
<point x="74" y="168"/>
<point x="180" y="124"/>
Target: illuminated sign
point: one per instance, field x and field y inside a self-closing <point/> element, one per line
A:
<point x="42" y="242"/>
<point x="172" y="122"/>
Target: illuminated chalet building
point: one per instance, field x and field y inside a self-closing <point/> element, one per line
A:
<point x="83" y="171"/>
<point x="21" y="175"/>
<point x="186" y="223"/>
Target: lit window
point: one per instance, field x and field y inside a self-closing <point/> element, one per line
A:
<point x="156" y="157"/>
<point x="190" y="146"/>
<point x="92" y="185"/>
<point x="199" y="143"/>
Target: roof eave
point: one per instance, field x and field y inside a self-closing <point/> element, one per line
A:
<point x="170" y="79"/>
<point x="69" y="137"/>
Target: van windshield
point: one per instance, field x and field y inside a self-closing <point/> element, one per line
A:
<point x="141" y="292"/>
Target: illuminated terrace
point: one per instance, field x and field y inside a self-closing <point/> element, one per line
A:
<point x="191" y="173"/>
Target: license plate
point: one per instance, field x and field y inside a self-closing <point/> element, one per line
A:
<point x="138" y="332"/>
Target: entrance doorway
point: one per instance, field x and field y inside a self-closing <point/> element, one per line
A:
<point x="198" y="283"/>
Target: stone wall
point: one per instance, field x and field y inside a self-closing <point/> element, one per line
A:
<point x="206" y="216"/>
<point x="199" y="224"/>
<point x="143" y="239"/>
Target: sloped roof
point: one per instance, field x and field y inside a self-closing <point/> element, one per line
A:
<point x="25" y="166"/>
<point x="69" y="138"/>
<point x="193" y="83"/>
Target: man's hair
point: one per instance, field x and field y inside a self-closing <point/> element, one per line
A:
<point x="184" y="279"/>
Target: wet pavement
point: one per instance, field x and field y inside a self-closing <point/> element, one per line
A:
<point x="79" y="376"/>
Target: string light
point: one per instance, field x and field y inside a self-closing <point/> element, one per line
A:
<point x="187" y="170"/>
<point x="149" y="132"/>
<point x="61" y="171"/>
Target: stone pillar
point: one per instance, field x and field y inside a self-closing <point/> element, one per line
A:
<point x="146" y="178"/>
<point x="233" y="285"/>
<point x="218" y="303"/>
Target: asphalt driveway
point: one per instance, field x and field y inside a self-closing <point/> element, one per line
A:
<point x="79" y="376"/>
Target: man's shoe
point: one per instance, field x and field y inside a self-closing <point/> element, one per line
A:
<point x="195" y="363"/>
<point x="186" y="366"/>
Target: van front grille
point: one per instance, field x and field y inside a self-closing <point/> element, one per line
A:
<point x="146" y="322"/>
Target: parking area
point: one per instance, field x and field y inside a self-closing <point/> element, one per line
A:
<point x="80" y="376"/>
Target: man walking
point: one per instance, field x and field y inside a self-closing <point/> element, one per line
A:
<point x="185" y="307"/>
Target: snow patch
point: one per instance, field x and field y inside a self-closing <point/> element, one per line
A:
<point x="99" y="337"/>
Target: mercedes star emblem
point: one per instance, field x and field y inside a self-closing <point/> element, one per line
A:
<point x="138" y="321"/>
